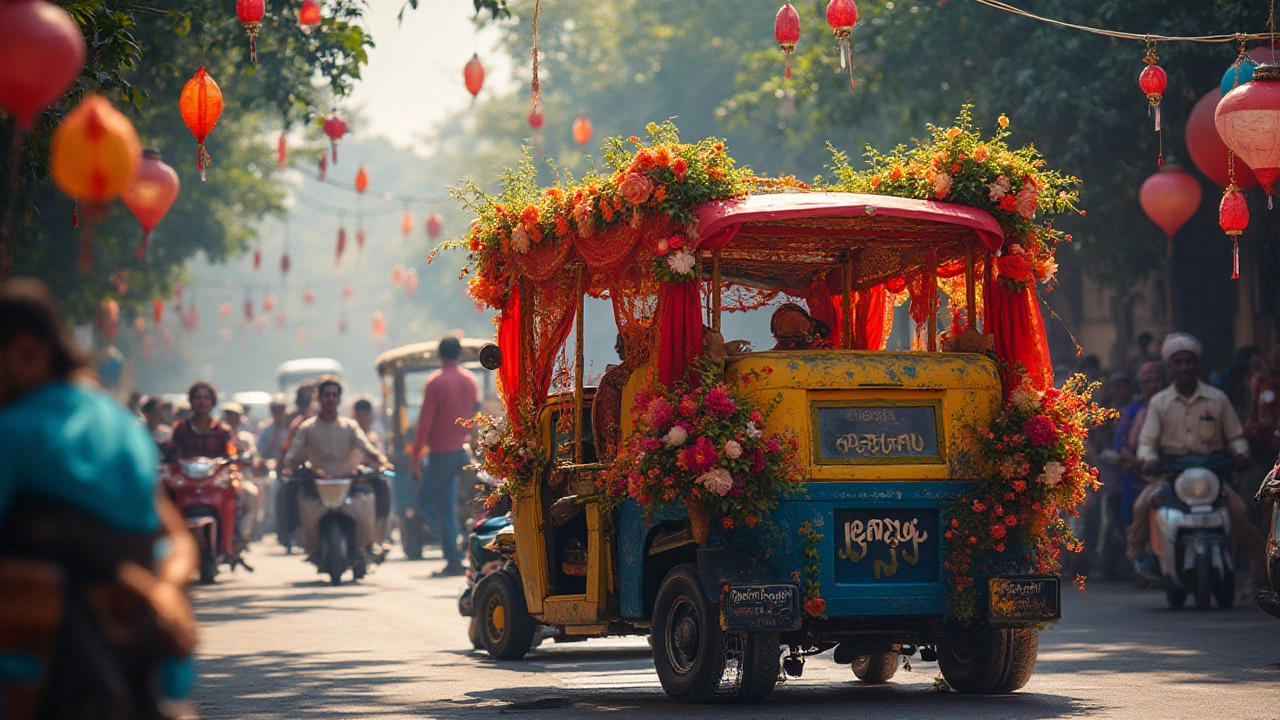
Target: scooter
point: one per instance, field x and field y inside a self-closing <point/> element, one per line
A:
<point x="1191" y="537"/>
<point x="343" y="500"/>
<point x="483" y="556"/>
<point x="204" y="491"/>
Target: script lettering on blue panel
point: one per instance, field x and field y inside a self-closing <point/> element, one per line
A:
<point x="886" y="545"/>
<point x="876" y="433"/>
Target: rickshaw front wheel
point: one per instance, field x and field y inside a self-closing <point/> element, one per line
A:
<point x="987" y="660"/>
<point x="688" y="645"/>
<point x="505" y="624"/>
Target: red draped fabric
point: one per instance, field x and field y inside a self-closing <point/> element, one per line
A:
<point x="509" y="343"/>
<point x="868" y="318"/>
<point x="1021" y="343"/>
<point x="825" y="307"/>
<point x="679" y="330"/>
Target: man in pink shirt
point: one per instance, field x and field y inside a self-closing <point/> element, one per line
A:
<point x="450" y="396"/>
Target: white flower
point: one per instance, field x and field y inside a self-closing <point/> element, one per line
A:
<point x="492" y="438"/>
<point x="676" y="436"/>
<point x="717" y="480"/>
<point x="753" y="431"/>
<point x="999" y="188"/>
<point x="733" y="449"/>
<point x="680" y="262"/>
<point x="520" y="240"/>
<point x="1025" y="397"/>
<point x="942" y="185"/>
<point x="1052" y="475"/>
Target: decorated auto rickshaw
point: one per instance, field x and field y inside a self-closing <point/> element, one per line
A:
<point x="749" y="509"/>
<point x="403" y="373"/>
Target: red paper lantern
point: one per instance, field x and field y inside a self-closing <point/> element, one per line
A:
<point x="121" y="281"/>
<point x="410" y="282"/>
<point x="335" y="127"/>
<point x="342" y="244"/>
<point x="285" y="264"/>
<point x="1209" y="154"/>
<point x="309" y="296"/>
<point x="379" y="324"/>
<point x="362" y="180"/>
<point x="537" y="119"/>
<point x="257" y="259"/>
<point x="842" y="15"/>
<point x="309" y="15"/>
<point x="1248" y="119"/>
<point x="268" y="304"/>
<point x="152" y="193"/>
<point x="1170" y="198"/>
<point x="786" y="28"/>
<point x="323" y="165"/>
<point x="406" y="223"/>
<point x="435" y="224"/>
<point x="157" y="310"/>
<point x="582" y="130"/>
<point x="41" y="53"/>
<point x="1153" y="81"/>
<point x="225" y="309"/>
<point x="282" y="153"/>
<point x="1233" y="218"/>
<point x="346" y="291"/>
<point x="190" y="318"/>
<point x="201" y="106"/>
<point x="473" y="76"/>
<point x="360" y="238"/>
<point x="177" y="291"/>
<point x="397" y="274"/>
<point x="250" y="13"/>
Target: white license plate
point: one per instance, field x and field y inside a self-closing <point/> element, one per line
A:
<point x="1201" y="521"/>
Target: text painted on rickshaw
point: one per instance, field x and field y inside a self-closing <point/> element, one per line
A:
<point x="886" y="544"/>
<point x="870" y="433"/>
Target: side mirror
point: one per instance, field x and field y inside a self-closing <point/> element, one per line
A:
<point x="490" y="357"/>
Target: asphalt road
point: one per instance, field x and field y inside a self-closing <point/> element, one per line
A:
<point x="282" y="643"/>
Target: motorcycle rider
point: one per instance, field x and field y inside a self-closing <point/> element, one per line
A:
<point x="201" y="435"/>
<point x="272" y="430"/>
<point x="334" y="446"/>
<point x="154" y="414"/>
<point x="86" y="538"/>
<point x="1189" y="424"/>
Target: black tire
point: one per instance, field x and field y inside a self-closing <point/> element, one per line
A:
<point x="1204" y="581"/>
<point x="761" y="662"/>
<point x="474" y="634"/>
<point x="411" y="536"/>
<point x="334" y="552"/>
<point x="506" y="628"/>
<point x="208" y="567"/>
<point x="987" y="660"/>
<point x="688" y="645"/>
<point x="1175" y="596"/>
<point x="1225" y="591"/>
<point x="876" y="669"/>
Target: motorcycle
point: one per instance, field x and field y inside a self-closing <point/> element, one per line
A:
<point x="483" y="554"/>
<point x="204" y="491"/>
<point x="1191" y="537"/>
<point x="343" y="502"/>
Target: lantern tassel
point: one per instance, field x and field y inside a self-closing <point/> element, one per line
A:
<point x="1235" y="258"/>
<point x="788" y="56"/>
<point x="85" y="262"/>
<point x="75" y="212"/>
<point x="203" y="161"/>
<point x="251" y="29"/>
<point x="142" y="249"/>
<point x="334" y="145"/>
<point x="1157" y="118"/>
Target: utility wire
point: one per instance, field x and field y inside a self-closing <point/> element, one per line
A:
<point x="1224" y="38"/>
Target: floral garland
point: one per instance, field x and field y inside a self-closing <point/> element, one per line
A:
<point x="1034" y="455"/>
<point x="957" y="165"/>
<point x="703" y="444"/>
<point x="509" y="450"/>
<point x="814" y="605"/>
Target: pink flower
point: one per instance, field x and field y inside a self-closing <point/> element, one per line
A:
<point x="1040" y="431"/>
<point x="635" y="188"/>
<point x="717" y="480"/>
<point x="651" y="444"/>
<point x="1027" y="201"/>
<point x="719" y="402"/>
<point x="756" y="418"/>
<point x="733" y="449"/>
<point x="659" y="414"/>
<point x="772" y="446"/>
<point x="942" y="185"/>
<point x="757" y="461"/>
<point x="999" y="188"/>
<point x="700" y="457"/>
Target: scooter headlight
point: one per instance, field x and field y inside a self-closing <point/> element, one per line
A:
<point x="197" y="469"/>
<point x="1197" y="486"/>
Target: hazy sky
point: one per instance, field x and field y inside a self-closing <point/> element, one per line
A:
<point x="414" y="76"/>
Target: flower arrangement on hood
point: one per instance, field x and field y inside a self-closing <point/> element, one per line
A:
<point x="1035" y="474"/>
<point x="703" y="442"/>
<point x="957" y="165"/>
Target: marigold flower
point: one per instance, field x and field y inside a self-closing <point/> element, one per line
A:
<point x="1002" y="121"/>
<point x="954" y="133"/>
<point x="981" y="153"/>
<point x="681" y="169"/>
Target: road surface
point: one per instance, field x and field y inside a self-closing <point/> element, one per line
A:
<point x="282" y="643"/>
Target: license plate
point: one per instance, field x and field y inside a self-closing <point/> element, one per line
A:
<point x="760" y="607"/>
<point x="1034" y="598"/>
<point x="1192" y="520"/>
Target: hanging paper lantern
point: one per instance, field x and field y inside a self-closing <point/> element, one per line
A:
<point x="473" y="76"/>
<point x="323" y="164"/>
<point x="362" y="180"/>
<point x="537" y="119"/>
<point x="151" y="194"/>
<point x="786" y="28"/>
<point x="106" y="318"/>
<point x="250" y="13"/>
<point x="435" y="223"/>
<point x="257" y="258"/>
<point x="411" y="282"/>
<point x="1153" y="81"/>
<point x="201" y="106"/>
<point x="582" y="130"/>
<point x="225" y="334"/>
<point x="309" y="296"/>
<point x="94" y="157"/>
<point x="842" y="15"/>
<point x="282" y="153"/>
<point x="1209" y="154"/>
<point x="397" y="274"/>
<point x="342" y="244"/>
<point x="1237" y="75"/>
<point x="1248" y="119"/>
<point x="309" y="15"/>
<point x="346" y="291"/>
<point x="360" y="237"/>
<point x="225" y="309"/>
<point x="41" y="53"/>
<point x="406" y="223"/>
<point x="285" y="264"/>
<point x="1233" y="218"/>
<point x="335" y="127"/>
<point x="1170" y="198"/>
<point x="268" y="304"/>
<point x="139" y="325"/>
<point x="379" y="324"/>
<point x="157" y="310"/>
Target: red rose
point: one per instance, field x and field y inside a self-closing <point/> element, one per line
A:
<point x="1011" y="520"/>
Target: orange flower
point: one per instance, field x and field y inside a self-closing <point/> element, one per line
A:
<point x="529" y="218"/>
<point x="660" y="194"/>
<point x="715" y="173"/>
<point x="644" y="159"/>
<point x="875" y="182"/>
<point x="555" y="194"/>
<point x="562" y="225"/>
<point x="662" y="157"/>
<point x="954" y="133"/>
<point x="895" y="172"/>
<point x="635" y="188"/>
<point x="607" y="210"/>
<point x="681" y="169"/>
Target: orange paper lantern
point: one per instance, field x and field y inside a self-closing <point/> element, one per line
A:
<point x="157" y="310"/>
<point x="406" y="223"/>
<point x="397" y="274"/>
<point x="473" y="76"/>
<point x="225" y="309"/>
<point x="201" y="106"/>
<point x="153" y="191"/>
<point x="582" y="130"/>
<point x="362" y="180"/>
<point x="379" y="325"/>
<point x="268" y="304"/>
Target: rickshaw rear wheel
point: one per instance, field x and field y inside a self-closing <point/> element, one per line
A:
<point x="761" y="662"/>
<point x="688" y="645"/>
<point x="506" y="627"/>
<point x="875" y="669"/>
<point x="987" y="660"/>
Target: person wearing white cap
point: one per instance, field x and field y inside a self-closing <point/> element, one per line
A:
<point x="1189" y="424"/>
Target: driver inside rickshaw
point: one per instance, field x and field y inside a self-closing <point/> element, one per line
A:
<point x="795" y="329"/>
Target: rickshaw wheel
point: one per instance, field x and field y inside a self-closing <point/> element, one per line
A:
<point x="506" y="628"/>
<point x="878" y="668"/>
<point x="688" y="645"/>
<point x="987" y="660"/>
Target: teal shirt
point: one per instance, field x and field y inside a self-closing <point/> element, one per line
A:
<point x="76" y="444"/>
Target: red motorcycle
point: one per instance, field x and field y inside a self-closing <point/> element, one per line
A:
<point x="205" y="492"/>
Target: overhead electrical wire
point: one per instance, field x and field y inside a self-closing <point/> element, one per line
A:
<point x="1221" y="38"/>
